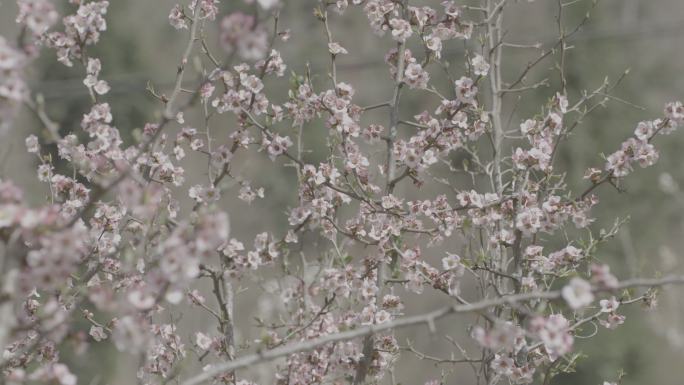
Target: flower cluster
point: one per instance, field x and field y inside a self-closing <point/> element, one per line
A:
<point x="242" y="34"/>
<point x="80" y="30"/>
<point x="37" y="15"/>
<point x="91" y="81"/>
<point x="13" y="89"/>
<point x="128" y="238"/>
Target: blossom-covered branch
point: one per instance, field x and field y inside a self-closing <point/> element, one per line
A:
<point x="426" y="319"/>
<point x="132" y="234"/>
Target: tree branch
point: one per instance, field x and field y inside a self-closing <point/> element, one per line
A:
<point x="426" y="319"/>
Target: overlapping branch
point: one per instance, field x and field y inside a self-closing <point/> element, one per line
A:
<point x="428" y="319"/>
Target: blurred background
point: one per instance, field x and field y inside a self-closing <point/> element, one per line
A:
<point x="645" y="37"/>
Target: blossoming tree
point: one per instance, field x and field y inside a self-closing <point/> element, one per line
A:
<point x="114" y="246"/>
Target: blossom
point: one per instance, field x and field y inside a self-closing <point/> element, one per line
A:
<point x="273" y="64"/>
<point x="554" y="334"/>
<point x="101" y="87"/>
<point x="208" y="8"/>
<point x="501" y="336"/>
<point x="415" y="76"/>
<point x="602" y="277"/>
<point x="206" y="91"/>
<point x="141" y="299"/>
<point x="401" y="29"/>
<point x="451" y="9"/>
<point x="529" y="220"/>
<point x="54" y="372"/>
<point x="202" y="194"/>
<point x="85" y="26"/>
<point x="466" y="90"/>
<point x="644" y="130"/>
<point x="528" y="126"/>
<point x="268" y="4"/>
<point x="675" y="111"/>
<point x="37" y="15"/>
<point x="452" y="261"/>
<point x="277" y="145"/>
<point x="249" y="194"/>
<point x="613" y="321"/>
<point x="434" y="44"/>
<point x="32" y="145"/>
<point x="609" y="305"/>
<point x="203" y="341"/>
<point x="240" y="33"/>
<point x="120" y="231"/>
<point x="97" y="332"/>
<point x="177" y="18"/>
<point x="336" y="49"/>
<point x="502" y="365"/>
<point x="480" y="66"/>
<point x="578" y="293"/>
<point x="13" y="88"/>
<point x="93" y="69"/>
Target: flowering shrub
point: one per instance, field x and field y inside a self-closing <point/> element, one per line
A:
<point x="115" y="247"/>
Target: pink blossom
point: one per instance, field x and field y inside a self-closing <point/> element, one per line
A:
<point x="336" y="49"/>
<point x="401" y="29"/>
<point x="480" y="66"/>
<point x="32" y="145"/>
<point x="578" y="293"/>
<point x="97" y="332"/>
